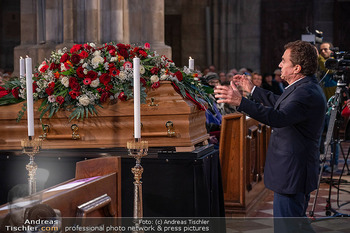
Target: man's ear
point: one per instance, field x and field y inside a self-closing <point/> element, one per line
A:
<point x="297" y="69"/>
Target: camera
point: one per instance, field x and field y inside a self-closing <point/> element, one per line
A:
<point x="340" y="63"/>
<point x="313" y="38"/>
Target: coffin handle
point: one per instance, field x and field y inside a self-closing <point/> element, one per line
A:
<point x="74" y="136"/>
<point x="169" y="133"/>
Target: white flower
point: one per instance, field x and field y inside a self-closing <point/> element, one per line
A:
<point x="84" y="100"/>
<point x="85" y="71"/>
<point x="123" y="75"/>
<point x="65" y="81"/>
<point x="84" y="65"/>
<point x="154" y="78"/>
<point x="51" y="99"/>
<point x="106" y="65"/>
<point x="63" y="67"/>
<point x="96" y="61"/>
<point x="95" y="83"/>
<point x="97" y="53"/>
<point x="142" y="70"/>
<point x="164" y="77"/>
<point x="113" y="59"/>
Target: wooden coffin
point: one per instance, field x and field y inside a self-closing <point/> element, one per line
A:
<point x="114" y="125"/>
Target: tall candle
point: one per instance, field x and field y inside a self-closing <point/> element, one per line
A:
<point x="21" y="67"/>
<point x="137" y="101"/>
<point x="191" y="63"/>
<point x="29" y="85"/>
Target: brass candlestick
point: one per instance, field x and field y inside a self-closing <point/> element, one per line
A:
<point x="137" y="149"/>
<point x="31" y="147"/>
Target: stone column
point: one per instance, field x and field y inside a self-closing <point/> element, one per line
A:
<point x="92" y="26"/>
<point x="68" y="21"/>
<point x="144" y="22"/>
<point x="117" y="21"/>
<point x="28" y="33"/>
<point x="67" y="26"/>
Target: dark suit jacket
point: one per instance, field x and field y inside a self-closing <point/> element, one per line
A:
<point x="296" y="117"/>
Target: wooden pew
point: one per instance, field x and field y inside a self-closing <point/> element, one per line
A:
<point x="243" y="146"/>
<point x="95" y="191"/>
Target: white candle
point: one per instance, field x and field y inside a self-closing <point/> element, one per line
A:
<point x="137" y="102"/>
<point x="29" y="85"/>
<point x="21" y="67"/>
<point x="191" y="63"/>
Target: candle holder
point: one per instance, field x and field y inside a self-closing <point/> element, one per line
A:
<point x="137" y="149"/>
<point x="31" y="147"/>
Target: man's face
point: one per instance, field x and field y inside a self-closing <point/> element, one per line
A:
<point x="288" y="70"/>
<point x="325" y="51"/>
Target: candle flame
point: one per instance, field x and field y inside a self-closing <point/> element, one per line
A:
<point x="27" y="56"/>
<point x="190" y="57"/>
<point x="20" y="57"/>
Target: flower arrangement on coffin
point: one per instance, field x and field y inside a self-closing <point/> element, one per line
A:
<point x="86" y="76"/>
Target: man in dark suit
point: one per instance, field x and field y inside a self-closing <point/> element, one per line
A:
<point x="296" y="118"/>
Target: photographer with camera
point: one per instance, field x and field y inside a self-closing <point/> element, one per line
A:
<point x="296" y="118"/>
<point x="324" y="74"/>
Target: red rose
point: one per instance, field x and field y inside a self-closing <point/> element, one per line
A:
<point x="147" y="45"/>
<point x="154" y="70"/>
<point x="35" y="86"/>
<point x="80" y="72"/>
<point x="75" y="86"/>
<point x="3" y="92"/>
<point x="83" y="54"/>
<point x="72" y="80"/>
<point x="105" y="79"/>
<point x="104" y="97"/>
<point x="178" y="75"/>
<point x="51" y="84"/>
<point x="74" y="94"/>
<point x="44" y="68"/>
<point x="87" y="81"/>
<point x="64" y="58"/>
<point x="142" y="53"/>
<point x="143" y="81"/>
<point x="49" y="90"/>
<point x="112" y="52"/>
<point x="54" y="66"/>
<point x="155" y="85"/>
<point x="15" y="92"/>
<point x="60" y="99"/>
<point x="92" y="74"/>
<point x="75" y="58"/>
<point x="122" y="96"/>
<point x="76" y="48"/>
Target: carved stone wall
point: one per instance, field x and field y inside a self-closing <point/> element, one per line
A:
<point x="47" y="25"/>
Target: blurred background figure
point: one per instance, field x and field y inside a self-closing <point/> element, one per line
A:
<point x="270" y="84"/>
<point x="279" y="80"/>
<point x="257" y="79"/>
<point x="212" y="79"/>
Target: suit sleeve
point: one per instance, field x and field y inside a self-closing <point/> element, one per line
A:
<point x="265" y="97"/>
<point x="293" y="111"/>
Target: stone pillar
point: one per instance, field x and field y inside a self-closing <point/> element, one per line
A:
<point x="117" y="21"/>
<point x="92" y="27"/>
<point x="67" y="26"/>
<point x="28" y="33"/>
<point x="144" y="22"/>
<point x="68" y="21"/>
